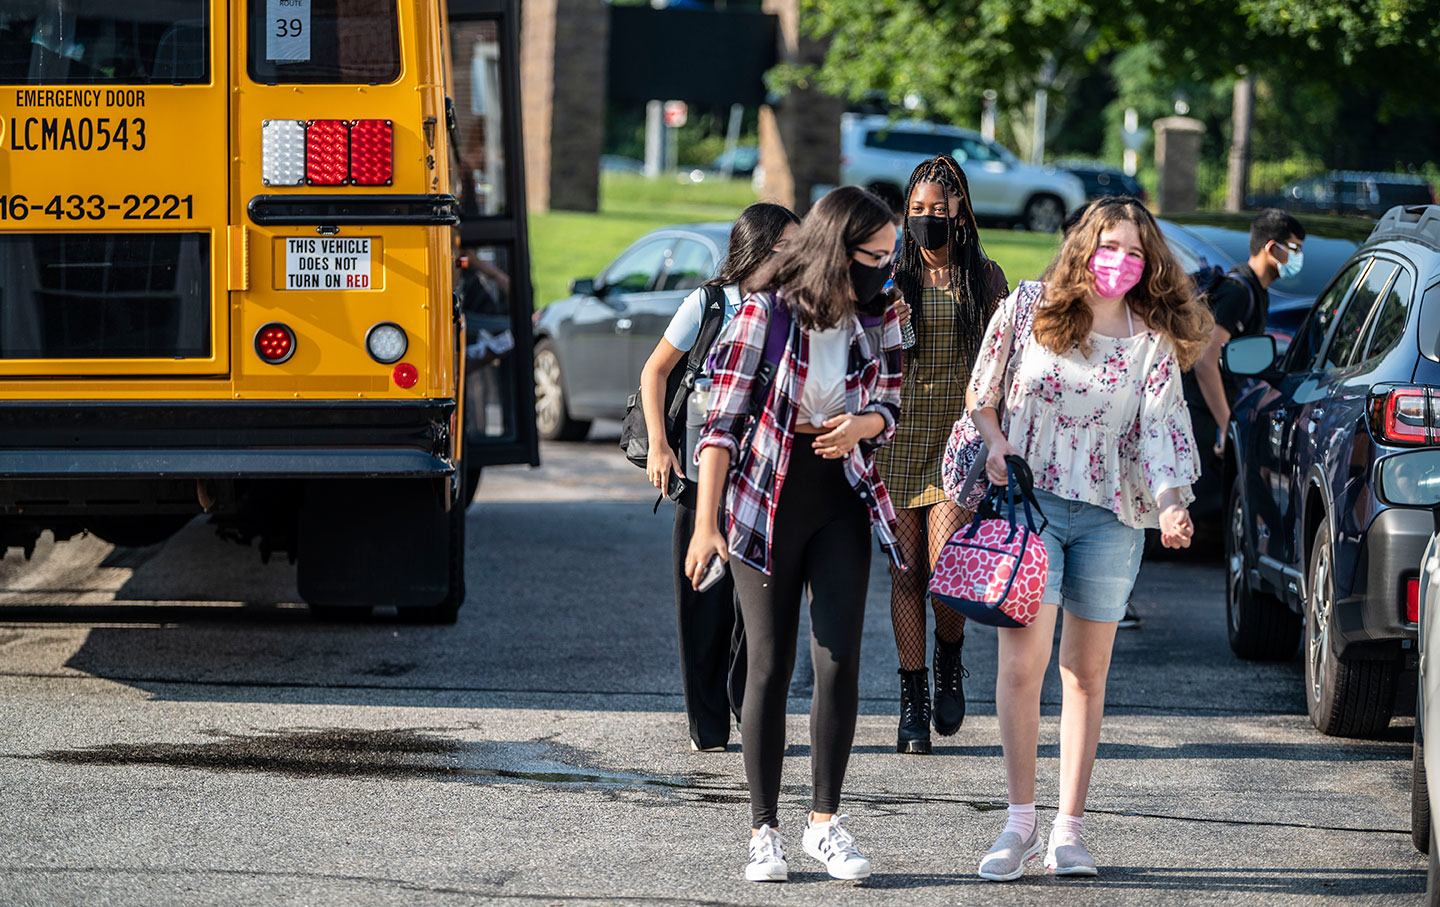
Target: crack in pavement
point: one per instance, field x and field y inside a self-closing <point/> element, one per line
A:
<point x="1179" y="712"/>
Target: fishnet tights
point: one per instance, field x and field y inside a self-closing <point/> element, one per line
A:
<point x="922" y="532"/>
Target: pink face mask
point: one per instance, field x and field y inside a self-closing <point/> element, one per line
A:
<point x="1115" y="272"/>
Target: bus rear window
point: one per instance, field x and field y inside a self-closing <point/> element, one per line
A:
<point x="324" y="41"/>
<point x="87" y="42"/>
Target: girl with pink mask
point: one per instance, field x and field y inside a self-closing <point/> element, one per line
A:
<point x="1085" y="368"/>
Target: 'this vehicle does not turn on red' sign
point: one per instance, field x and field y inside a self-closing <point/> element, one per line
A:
<point x="327" y="263"/>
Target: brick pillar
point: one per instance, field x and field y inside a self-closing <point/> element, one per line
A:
<point x="563" y="51"/>
<point x="799" y="135"/>
<point x="1177" y="158"/>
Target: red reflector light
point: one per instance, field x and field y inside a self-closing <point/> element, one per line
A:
<point x="371" y="158"/>
<point x="327" y="152"/>
<point x="275" y="343"/>
<point x="1412" y="600"/>
<point x="405" y="375"/>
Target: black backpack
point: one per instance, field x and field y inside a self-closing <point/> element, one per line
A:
<point x="1208" y="280"/>
<point x="634" y="436"/>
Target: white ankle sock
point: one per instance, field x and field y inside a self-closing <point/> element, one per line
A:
<point x="1021" y="819"/>
<point x="1066" y="824"/>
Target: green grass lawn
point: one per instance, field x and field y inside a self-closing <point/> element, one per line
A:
<point x="565" y="244"/>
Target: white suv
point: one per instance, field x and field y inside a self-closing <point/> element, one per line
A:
<point x="876" y="150"/>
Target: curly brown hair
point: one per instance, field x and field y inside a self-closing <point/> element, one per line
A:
<point x="1164" y="298"/>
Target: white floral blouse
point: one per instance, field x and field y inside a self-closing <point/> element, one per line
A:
<point x="1109" y="429"/>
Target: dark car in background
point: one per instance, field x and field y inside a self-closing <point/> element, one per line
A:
<point x="1349" y="192"/>
<point x="1312" y="547"/>
<point x="1203" y="239"/>
<point x="1101" y="180"/>
<point x="590" y="347"/>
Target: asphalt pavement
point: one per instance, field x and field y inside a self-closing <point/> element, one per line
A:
<point x="176" y="729"/>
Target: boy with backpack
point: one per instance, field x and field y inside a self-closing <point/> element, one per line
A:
<point x="1240" y="301"/>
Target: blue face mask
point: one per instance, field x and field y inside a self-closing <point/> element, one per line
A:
<point x="1292" y="265"/>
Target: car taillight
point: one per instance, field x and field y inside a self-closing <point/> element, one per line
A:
<point x="275" y="343"/>
<point x="327" y="152"/>
<point x="1412" y="600"/>
<point x="1406" y="415"/>
<point x="371" y="158"/>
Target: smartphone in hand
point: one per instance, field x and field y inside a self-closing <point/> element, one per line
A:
<point x="713" y="574"/>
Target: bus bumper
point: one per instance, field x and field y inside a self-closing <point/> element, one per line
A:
<point x="226" y="440"/>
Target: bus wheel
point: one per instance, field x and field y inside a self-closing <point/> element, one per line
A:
<point x="448" y="610"/>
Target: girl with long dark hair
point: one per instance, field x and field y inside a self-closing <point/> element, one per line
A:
<point x="952" y="289"/>
<point x="1087" y="367"/>
<point x="802" y="496"/>
<point x="706" y="620"/>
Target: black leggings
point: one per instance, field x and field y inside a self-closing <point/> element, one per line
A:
<point x="821" y="539"/>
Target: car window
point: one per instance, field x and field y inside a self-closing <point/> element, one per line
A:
<point x="1388" y="324"/>
<point x="687" y="265"/>
<point x="965" y="149"/>
<point x="1305" y="348"/>
<point x="1189" y="262"/>
<point x="635" y="269"/>
<point x="1347" y="333"/>
<point x="924" y="143"/>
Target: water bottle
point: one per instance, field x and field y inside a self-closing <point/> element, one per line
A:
<point x="695" y="410"/>
<point x="907" y="330"/>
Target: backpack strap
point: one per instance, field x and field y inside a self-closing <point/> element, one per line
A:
<point x="777" y="336"/>
<point x="1234" y="274"/>
<point x="712" y="318"/>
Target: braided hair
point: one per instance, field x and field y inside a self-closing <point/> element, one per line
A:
<point x="969" y="268"/>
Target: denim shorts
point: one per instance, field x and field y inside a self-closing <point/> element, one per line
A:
<point x="1094" y="558"/>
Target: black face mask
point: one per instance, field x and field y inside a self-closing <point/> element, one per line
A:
<point x="867" y="280"/>
<point x="929" y="230"/>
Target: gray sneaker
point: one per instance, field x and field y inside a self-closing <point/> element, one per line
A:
<point x="1007" y="857"/>
<point x="1067" y="856"/>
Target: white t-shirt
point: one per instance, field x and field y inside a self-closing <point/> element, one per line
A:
<point x="824" y="392"/>
<point x="685" y="326"/>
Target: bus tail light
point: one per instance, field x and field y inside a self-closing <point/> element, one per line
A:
<point x="386" y="342"/>
<point x="1406" y="415"/>
<point x="405" y="375"/>
<point x="275" y="343"/>
<point x="327" y="152"/>
<point x="1412" y="600"/>
<point x="371" y="152"/>
<point x="282" y="159"/>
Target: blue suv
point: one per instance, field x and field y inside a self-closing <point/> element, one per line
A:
<point x="1312" y="554"/>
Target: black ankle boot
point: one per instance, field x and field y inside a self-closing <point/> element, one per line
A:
<point x="914" y="733"/>
<point x="950" y="677"/>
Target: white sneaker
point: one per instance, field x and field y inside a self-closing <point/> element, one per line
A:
<point x="767" y="857"/>
<point x="832" y="844"/>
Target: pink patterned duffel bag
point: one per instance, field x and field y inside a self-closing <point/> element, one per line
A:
<point x="993" y="570"/>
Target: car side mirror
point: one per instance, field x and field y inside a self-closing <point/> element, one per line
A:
<point x="1410" y="479"/>
<point x="583" y="286"/>
<point x="1248" y="357"/>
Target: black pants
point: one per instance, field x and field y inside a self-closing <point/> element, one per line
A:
<point x="711" y="641"/>
<point x="821" y="541"/>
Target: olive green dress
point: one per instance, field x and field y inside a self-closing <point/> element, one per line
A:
<point x="932" y="397"/>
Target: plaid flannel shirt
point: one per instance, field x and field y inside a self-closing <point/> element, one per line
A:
<point x="757" y="474"/>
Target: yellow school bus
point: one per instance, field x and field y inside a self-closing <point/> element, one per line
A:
<point x="228" y="236"/>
